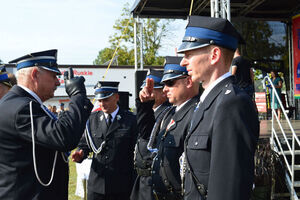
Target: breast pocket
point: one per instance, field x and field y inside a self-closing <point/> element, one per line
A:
<point x="198" y="142"/>
<point x="123" y="133"/>
<point x="198" y="153"/>
<point x="172" y="141"/>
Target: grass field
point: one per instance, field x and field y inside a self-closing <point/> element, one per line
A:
<point x="72" y="182"/>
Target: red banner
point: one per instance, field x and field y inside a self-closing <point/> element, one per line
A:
<point x="296" y="54"/>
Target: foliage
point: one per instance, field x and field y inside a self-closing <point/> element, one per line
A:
<point x="154" y="31"/>
<point x="257" y="36"/>
<point x="261" y="47"/>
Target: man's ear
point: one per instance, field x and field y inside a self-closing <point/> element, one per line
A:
<point x="189" y="82"/>
<point x="215" y="55"/>
<point x="34" y="74"/>
<point x="117" y="96"/>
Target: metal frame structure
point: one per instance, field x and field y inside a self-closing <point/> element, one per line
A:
<point x="220" y="8"/>
<point x="276" y="143"/>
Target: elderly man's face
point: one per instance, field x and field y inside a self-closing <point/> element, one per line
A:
<point x="197" y="63"/>
<point x="47" y="83"/>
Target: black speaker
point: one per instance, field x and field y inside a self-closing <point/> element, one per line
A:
<point x="140" y="76"/>
<point x="124" y="100"/>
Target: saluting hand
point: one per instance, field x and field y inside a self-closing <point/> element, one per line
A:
<point x="147" y="94"/>
<point x="74" y="85"/>
<point x="77" y="156"/>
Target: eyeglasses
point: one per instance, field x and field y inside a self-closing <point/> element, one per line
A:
<point x="171" y="83"/>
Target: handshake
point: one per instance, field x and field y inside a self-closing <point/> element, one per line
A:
<point x="74" y="85"/>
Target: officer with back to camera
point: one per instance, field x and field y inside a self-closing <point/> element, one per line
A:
<point x="220" y="145"/>
<point x="31" y="138"/>
<point x="111" y="134"/>
<point x="142" y="189"/>
<point x="167" y="137"/>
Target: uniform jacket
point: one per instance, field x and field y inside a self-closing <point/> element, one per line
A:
<point x="221" y="143"/>
<point x="175" y="128"/>
<point x="112" y="169"/>
<point x="18" y="180"/>
<point x="142" y="189"/>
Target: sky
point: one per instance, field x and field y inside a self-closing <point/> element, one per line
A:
<point x="79" y="29"/>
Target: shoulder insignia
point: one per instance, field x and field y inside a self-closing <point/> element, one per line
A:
<point x="227" y="91"/>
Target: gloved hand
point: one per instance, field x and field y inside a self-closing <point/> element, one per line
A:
<point x="74" y="85"/>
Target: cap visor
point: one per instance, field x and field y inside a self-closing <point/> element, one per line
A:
<point x="171" y="76"/>
<point x="187" y="46"/>
<point x="143" y="85"/>
<point x="105" y="95"/>
<point x="51" y="69"/>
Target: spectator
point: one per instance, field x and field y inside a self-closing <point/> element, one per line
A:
<point x="277" y="82"/>
<point x="244" y="76"/>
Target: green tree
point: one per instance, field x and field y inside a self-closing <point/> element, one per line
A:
<point x="257" y="35"/>
<point x="154" y="31"/>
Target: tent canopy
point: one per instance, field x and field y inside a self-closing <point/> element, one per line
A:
<point x="271" y="10"/>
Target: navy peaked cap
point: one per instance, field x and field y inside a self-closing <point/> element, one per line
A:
<point x="4" y="76"/>
<point x="204" y="31"/>
<point x="156" y="75"/>
<point x="105" y="89"/>
<point x="43" y="59"/>
<point x="172" y="69"/>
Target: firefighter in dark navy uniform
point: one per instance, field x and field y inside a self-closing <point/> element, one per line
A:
<point x="166" y="140"/>
<point x="111" y="135"/>
<point x="142" y="189"/>
<point x="32" y="140"/>
<point x="220" y="145"/>
<point x="7" y="81"/>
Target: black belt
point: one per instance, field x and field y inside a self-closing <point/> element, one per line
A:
<point x="167" y="196"/>
<point x="143" y="172"/>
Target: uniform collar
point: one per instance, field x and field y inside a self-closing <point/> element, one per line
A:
<point x="181" y="105"/>
<point x="31" y="93"/>
<point x="211" y="86"/>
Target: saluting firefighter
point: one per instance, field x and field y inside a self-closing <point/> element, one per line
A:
<point x="220" y="145"/>
<point x="32" y="140"/>
<point x="111" y="135"/>
<point x="166" y="141"/>
<point x="142" y="189"/>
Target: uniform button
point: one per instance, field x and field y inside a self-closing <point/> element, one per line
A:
<point x="156" y="158"/>
<point x="153" y="172"/>
<point x="106" y="157"/>
<point x="85" y="107"/>
<point x="170" y="142"/>
<point x="106" y="148"/>
<point x="196" y="143"/>
<point x="106" y="166"/>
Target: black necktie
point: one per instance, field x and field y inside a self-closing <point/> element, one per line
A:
<point x="109" y="118"/>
